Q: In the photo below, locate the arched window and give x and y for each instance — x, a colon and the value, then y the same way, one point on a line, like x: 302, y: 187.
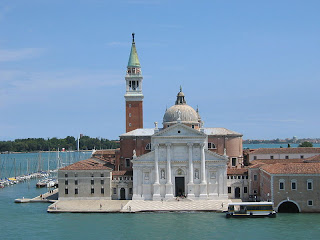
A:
x: 148, y: 146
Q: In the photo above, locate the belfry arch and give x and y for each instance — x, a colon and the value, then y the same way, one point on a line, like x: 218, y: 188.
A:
x: 288, y: 206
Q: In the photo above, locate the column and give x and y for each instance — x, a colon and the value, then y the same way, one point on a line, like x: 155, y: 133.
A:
x: 156, y: 185
x: 203, y: 184
x: 203, y: 165
x: 156, y: 164
x: 190, y: 184
x: 169, y: 186
x: 168, y: 163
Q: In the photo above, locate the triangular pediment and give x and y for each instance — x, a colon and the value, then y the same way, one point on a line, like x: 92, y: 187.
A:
x: 215, y: 156
x: 145, y: 157
x: 179, y: 130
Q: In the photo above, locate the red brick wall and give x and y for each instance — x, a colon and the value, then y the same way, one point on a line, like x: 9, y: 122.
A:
x: 136, y: 119
x: 127, y: 145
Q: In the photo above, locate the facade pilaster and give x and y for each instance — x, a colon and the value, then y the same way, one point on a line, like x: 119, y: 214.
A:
x: 169, y: 186
x: 156, y: 185
x: 203, y: 184
x: 190, y: 184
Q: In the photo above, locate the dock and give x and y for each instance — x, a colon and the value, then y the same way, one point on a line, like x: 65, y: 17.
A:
x: 137, y: 206
x: 49, y: 197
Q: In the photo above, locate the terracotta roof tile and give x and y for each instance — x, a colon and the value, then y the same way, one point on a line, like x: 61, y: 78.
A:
x: 273, y: 161
x: 88, y: 164
x: 315, y: 158
x: 292, y: 168
x: 297, y: 150
x: 237, y: 171
x: 121, y: 173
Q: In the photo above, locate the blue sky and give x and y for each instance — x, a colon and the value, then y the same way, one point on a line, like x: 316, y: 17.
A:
x: 250, y: 66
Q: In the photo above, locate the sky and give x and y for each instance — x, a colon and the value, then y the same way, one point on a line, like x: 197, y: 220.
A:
x: 250, y: 66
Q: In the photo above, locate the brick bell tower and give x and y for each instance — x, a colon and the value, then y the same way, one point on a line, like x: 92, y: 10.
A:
x: 134, y: 95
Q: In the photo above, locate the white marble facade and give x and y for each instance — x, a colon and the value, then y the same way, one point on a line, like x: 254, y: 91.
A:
x: 179, y: 164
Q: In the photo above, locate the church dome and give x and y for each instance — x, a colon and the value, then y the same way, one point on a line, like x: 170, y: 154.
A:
x: 180, y: 112
x: 187, y: 114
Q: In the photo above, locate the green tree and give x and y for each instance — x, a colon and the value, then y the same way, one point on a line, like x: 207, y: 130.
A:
x: 306, y: 144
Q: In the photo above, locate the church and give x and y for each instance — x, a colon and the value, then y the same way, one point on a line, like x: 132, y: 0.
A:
x: 180, y: 159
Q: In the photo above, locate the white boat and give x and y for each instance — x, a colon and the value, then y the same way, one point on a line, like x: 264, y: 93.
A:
x: 250, y: 209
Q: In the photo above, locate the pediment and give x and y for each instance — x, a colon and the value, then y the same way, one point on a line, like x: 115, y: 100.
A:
x: 215, y: 156
x: 145, y: 157
x: 179, y: 130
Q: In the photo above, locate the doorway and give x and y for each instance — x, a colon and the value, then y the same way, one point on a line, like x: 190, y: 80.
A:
x: 180, y: 190
x: 237, y: 192
x: 122, y: 194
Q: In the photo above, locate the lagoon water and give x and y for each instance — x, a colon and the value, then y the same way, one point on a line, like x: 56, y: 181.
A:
x: 31, y: 221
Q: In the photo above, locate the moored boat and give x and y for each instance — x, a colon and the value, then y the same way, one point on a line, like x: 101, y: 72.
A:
x: 250, y: 209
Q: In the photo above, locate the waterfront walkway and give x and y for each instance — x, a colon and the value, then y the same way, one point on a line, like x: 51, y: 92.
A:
x: 50, y: 197
x: 135, y: 206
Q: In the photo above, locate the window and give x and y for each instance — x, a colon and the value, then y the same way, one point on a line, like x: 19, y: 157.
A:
x: 287, y: 157
x: 114, y: 191
x: 293, y: 184
x: 92, y: 190
x: 254, y: 157
x: 127, y: 162
x: 211, y: 145
x: 192, y: 126
x: 234, y: 161
x: 66, y: 191
x: 301, y: 156
x: 255, y: 191
x: 148, y: 146
x: 66, y: 182
x: 239, y: 177
x: 179, y: 131
x: 310, y: 184
x: 245, y: 190
x: 76, y: 175
x: 242, y: 177
x: 255, y: 177
x: 130, y: 190
x: 129, y: 124
x: 102, y: 175
x: 129, y: 114
x: 76, y: 191
x: 120, y: 178
x: 246, y: 177
x: 310, y: 203
x: 229, y: 189
x: 168, y: 125
x: 271, y: 157
x: 102, y: 181
x: 66, y: 175
x: 129, y: 105
x: 281, y: 184
x: 76, y: 182
x: 228, y: 177
x: 92, y: 175
x: 92, y: 182
x: 102, y: 190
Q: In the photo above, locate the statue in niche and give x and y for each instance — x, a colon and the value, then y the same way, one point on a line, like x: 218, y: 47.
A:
x: 196, y: 174
x: 179, y: 115
x: 146, y: 176
x: 162, y: 174
x: 179, y: 171
x: 212, y: 175
x: 134, y: 153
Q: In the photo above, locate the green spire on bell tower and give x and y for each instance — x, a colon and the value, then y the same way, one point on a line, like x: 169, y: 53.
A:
x: 133, y: 59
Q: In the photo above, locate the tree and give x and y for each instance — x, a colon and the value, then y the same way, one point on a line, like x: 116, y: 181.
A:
x: 306, y: 144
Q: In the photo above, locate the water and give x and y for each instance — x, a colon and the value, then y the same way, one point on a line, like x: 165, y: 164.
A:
x: 31, y: 221
x: 273, y: 145
x: 17, y: 164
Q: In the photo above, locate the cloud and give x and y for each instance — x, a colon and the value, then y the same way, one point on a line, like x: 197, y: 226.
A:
x: 19, y: 54
x: 17, y: 85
